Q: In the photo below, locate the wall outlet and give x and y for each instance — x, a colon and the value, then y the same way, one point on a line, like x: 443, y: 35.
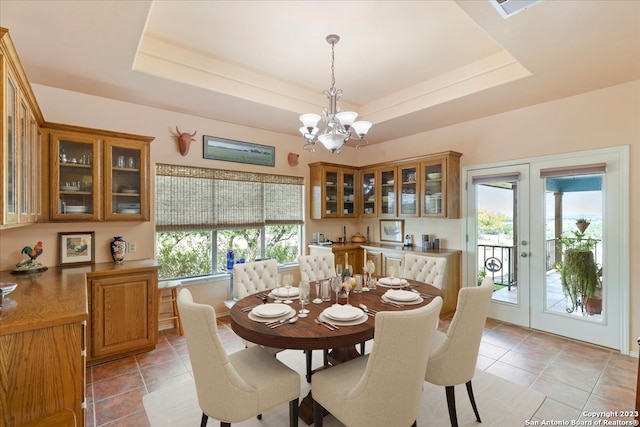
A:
x: 132, y: 247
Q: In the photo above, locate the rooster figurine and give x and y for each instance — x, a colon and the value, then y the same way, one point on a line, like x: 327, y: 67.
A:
x: 30, y: 264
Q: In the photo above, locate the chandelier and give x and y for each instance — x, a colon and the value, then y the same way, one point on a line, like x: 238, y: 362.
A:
x: 337, y: 126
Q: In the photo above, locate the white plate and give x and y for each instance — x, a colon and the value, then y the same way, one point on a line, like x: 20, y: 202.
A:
x: 7, y: 287
x: 284, y: 292
x: 129, y: 211
x: 342, y: 312
x: 271, y: 310
x: 396, y: 281
x: 401, y: 296
x: 76, y: 209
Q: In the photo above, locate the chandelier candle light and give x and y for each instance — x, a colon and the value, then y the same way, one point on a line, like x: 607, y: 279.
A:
x: 338, y: 126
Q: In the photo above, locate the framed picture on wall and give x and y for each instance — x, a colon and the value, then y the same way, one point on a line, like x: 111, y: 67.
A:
x: 76, y: 248
x: 392, y: 230
x: 228, y: 150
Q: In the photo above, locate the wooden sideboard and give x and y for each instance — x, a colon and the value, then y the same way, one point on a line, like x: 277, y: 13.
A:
x: 58, y: 320
x: 42, y: 346
x: 386, y: 256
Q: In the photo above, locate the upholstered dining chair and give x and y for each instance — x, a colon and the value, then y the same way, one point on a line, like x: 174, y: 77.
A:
x: 383, y: 388
x: 427, y: 269
x: 317, y: 267
x: 234, y: 387
x: 454, y: 354
x: 252, y: 277
x: 313, y: 268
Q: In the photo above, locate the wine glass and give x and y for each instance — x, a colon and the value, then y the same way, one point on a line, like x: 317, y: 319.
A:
x: 304, y: 289
x: 279, y: 281
x: 288, y: 281
x: 347, y: 285
x: 317, y: 299
x: 336, y: 285
x: 339, y: 270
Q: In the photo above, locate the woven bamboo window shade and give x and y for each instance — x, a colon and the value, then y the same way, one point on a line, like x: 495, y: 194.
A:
x: 194, y: 198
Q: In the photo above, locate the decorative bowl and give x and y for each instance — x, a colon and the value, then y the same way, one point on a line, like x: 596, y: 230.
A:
x: 357, y: 238
x: 434, y: 175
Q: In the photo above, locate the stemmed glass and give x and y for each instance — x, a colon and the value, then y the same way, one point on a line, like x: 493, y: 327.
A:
x: 336, y: 285
x: 304, y: 297
x: 347, y: 287
x: 279, y: 281
x: 369, y: 268
x: 288, y: 281
x: 339, y: 270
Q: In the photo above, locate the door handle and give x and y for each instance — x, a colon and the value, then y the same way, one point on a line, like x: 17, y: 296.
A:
x: 524, y: 254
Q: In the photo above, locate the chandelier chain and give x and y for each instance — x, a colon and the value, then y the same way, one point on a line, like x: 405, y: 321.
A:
x: 333, y: 75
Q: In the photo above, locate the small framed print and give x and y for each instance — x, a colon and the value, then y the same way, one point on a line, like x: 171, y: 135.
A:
x: 76, y: 248
x: 392, y: 230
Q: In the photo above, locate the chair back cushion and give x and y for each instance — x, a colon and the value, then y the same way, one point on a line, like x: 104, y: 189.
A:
x: 390, y: 390
x: 221, y: 391
x: 453, y: 359
x: 252, y: 277
x: 427, y: 269
x: 317, y: 267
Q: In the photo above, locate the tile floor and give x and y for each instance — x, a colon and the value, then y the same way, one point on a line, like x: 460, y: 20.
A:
x: 575, y: 377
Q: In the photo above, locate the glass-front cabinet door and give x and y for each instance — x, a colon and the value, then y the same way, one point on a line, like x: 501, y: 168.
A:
x: 434, y: 188
x: 369, y: 187
x: 388, y: 192
x: 408, y: 176
x: 75, y: 177
x: 331, y: 193
x: 11, y: 153
x: 125, y: 180
x: 348, y: 194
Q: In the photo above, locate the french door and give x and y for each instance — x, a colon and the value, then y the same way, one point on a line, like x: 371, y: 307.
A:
x: 517, y: 217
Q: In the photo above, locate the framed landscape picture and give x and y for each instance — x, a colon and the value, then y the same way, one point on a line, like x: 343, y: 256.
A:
x: 77, y: 248
x: 228, y: 150
x: 392, y: 230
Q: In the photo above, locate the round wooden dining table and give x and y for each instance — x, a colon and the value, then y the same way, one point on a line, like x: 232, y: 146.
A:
x: 305, y: 334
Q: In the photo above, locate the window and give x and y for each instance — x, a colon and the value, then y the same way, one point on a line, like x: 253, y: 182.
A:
x: 202, y: 213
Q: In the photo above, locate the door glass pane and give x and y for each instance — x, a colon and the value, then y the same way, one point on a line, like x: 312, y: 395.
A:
x: 497, y: 237
x: 574, y: 232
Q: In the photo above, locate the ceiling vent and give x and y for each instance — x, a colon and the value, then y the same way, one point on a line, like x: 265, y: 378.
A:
x: 509, y: 8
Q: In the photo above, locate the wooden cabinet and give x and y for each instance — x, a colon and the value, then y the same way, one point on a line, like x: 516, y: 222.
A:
x: 98, y: 175
x: 369, y: 200
x: 42, y: 347
x: 123, y: 310
x: 440, y: 185
x: 334, y: 191
x: 388, y: 192
x: 20, y: 142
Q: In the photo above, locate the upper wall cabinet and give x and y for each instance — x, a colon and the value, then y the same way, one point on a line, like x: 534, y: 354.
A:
x: 440, y: 185
x: 98, y: 175
x: 334, y: 191
x: 20, y: 169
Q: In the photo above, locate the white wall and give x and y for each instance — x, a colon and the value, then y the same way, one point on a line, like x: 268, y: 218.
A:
x: 604, y: 118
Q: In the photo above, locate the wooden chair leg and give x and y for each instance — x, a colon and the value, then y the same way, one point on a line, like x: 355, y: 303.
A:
x: 362, y: 348
x: 223, y: 424
x: 293, y: 413
x: 205, y: 418
x: 473, y: 401
x: 318, y: 414
x: 325, y: 357
x: 451, y: 404
x: 415, y: 424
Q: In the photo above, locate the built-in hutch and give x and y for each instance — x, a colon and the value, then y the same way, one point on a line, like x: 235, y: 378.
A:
x: 20, y: 142
x: 426, y: 186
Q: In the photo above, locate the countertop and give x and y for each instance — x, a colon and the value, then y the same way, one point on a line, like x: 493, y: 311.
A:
x: 399, y: 247
x: 53, y: 297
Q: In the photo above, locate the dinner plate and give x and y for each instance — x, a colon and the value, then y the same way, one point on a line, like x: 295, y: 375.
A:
x: 7, y: 287
x: 76, y: 209
x: 271, y: 310
x: 342, y: 312
x: 396, y: 281
x: 129, y: 211
x: 284, y: 292
x: 401, y: 296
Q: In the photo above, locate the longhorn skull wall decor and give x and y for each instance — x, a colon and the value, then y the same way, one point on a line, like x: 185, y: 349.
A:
x: 184, y: 140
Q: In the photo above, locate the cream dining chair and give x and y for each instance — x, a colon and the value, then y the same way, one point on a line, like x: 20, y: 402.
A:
x: 454, y: 354
x: 427, y: 269
x: 313, y: 268
x: 383, y: 388
x: 238, y: 386
x: 256, y: 276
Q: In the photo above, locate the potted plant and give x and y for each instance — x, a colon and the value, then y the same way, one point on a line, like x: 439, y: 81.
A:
x: 579, y: 272
x: 582, y: 224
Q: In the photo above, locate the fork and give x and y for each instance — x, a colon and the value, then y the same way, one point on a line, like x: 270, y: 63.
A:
x: 393, y: 304
x: 249, y: 308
